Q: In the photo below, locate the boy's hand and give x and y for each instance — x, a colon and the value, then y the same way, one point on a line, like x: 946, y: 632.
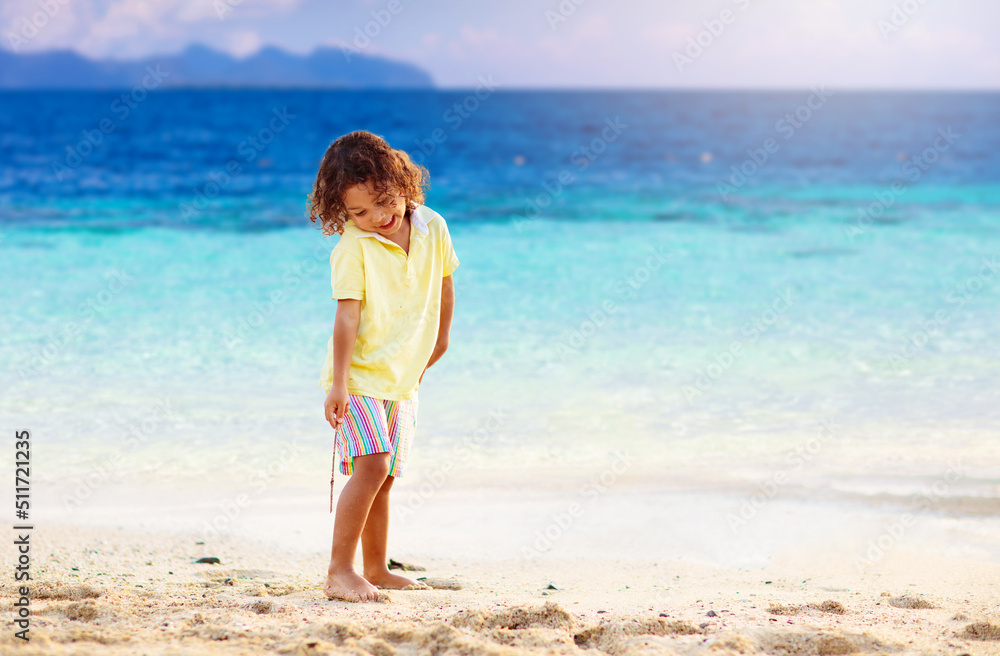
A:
x: 345, y: 332
x: 335, y: 406
x: 439, y: 348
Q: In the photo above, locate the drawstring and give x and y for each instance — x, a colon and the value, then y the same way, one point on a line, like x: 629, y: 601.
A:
x: 333, y: 468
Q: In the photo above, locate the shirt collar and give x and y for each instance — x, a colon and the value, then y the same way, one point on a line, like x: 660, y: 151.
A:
x: 415, y: 220
x: 418, y: 221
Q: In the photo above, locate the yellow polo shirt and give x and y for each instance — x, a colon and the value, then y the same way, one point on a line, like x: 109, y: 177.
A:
x: 400, y: 298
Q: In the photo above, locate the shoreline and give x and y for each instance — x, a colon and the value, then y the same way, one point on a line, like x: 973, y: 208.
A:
x: 725, y: 527
x: 134, y: 588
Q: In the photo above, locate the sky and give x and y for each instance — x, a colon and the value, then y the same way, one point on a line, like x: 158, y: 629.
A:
x: 768, y: 44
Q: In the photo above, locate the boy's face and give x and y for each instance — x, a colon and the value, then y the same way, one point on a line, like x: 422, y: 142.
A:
x: 367, y: 215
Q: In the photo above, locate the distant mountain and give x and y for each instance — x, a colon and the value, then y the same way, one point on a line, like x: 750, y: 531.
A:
x: 200, y: 66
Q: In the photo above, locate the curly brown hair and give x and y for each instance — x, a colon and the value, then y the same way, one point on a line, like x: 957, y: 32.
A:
x: 356, y: 158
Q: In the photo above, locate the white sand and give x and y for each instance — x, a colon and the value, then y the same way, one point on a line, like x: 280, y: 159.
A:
x: 112, y: 591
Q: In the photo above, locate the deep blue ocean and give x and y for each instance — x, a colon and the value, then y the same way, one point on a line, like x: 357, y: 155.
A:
x: 702, y: 278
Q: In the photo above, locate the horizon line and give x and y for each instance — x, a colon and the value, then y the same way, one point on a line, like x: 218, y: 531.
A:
x: 515, y: 89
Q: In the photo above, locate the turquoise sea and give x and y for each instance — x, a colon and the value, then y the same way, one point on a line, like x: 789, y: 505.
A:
x: 784, y: 294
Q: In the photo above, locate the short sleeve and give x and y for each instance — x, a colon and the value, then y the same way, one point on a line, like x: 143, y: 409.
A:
x: 449, y: 257
x: 347, y: 274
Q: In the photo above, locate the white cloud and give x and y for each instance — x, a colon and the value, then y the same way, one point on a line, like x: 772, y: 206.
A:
x: 668, y: 35
x: 431, y: 40
x: 131, y: 28
x: 44, y: 31
x: 241, y: 43
x: 577, y: 40
x: 479, y: 38
x: 769, y: 44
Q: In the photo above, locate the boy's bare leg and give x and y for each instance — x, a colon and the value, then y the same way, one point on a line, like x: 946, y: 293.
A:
x: 375, y: 541
x: 353, y: 510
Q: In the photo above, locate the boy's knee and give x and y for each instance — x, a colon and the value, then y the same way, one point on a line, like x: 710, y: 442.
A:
x: 374, y: 466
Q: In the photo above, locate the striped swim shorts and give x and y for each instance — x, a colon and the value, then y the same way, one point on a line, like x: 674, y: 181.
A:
x: 377, y: 426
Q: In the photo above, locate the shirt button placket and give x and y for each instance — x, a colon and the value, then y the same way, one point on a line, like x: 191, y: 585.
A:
x: 408, y: 278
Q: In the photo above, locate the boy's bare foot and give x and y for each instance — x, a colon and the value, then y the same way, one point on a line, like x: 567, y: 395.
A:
x: 387, y: 580
x: 349, y: 586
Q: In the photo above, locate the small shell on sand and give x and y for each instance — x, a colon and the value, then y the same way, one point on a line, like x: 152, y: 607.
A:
x: 440, y: 583
x: 909, y: 601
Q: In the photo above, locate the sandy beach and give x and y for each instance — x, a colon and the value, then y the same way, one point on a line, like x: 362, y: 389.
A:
x: 124, y: 591
x: 713, y: 385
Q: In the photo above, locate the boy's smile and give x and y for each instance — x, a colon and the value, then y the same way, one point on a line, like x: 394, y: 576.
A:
x: 368, y: 215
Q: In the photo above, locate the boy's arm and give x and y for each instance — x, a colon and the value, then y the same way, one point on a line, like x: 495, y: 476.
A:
x: 444, y: 328
x: 345, y: 333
